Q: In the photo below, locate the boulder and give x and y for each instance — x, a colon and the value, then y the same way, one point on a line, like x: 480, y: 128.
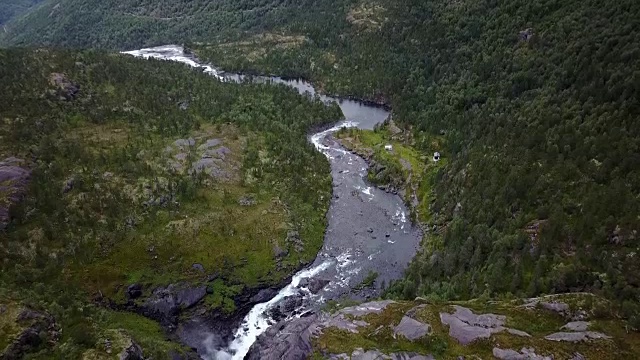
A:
x: 285, y: 340
x: 264, y: 295
x: 184, y: 143
x: 373, y: 307
x: 165, y: 304
x: 134, y: 291
x: 411, y: 329
x: 210, y: 144
x: 279, y: 252
x: 524, y: 354
x: 66, y: 89
x: 576, y: 326
x: 190, y: 296
x: 576, y: 336
x: 466, y: 327
x: 314, y: 285
x: 38, y: 326
x: 286, y: 307
x: 198, y: 267
x: 68, y: 185
x: 410, y: 356
x: 247, y: 200
x: 132, y: 352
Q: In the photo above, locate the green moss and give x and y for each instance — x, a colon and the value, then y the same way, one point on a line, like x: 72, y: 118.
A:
x: 537, y: 322
x: 408, y: 167
x: 147, y: 333
x: 9, y: 328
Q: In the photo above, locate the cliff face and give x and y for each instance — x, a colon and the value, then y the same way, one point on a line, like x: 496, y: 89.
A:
x: 569, y: 326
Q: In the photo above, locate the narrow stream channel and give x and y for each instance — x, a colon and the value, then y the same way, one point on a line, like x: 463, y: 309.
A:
x: 368, y: 228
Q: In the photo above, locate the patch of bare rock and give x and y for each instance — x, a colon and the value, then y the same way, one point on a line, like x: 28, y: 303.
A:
x: 467, y: 327
x: 14, y: 178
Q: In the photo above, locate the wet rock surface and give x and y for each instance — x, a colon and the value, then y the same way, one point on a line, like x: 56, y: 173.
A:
x: 285, y: 340
x: 314, y: 285
x: 64, y: 87
x: 165, y: 303
x: 576, y: 326
x: 292, y: 339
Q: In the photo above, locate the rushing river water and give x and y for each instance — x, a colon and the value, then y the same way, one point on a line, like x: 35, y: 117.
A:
x: 368, y: 229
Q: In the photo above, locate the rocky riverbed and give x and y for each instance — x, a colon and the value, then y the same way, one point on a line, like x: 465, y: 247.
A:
x: 368, y: 242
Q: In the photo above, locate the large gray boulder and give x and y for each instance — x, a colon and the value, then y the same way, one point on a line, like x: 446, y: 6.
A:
x: 524, y: 354
x: 132, y: 352
x: 576, y: 326
x: 467, y: 327
x: 577, y: 336
x: 411, y: 329
x: 285, y: 340
x: 314, y: 285
x: 166, y: 303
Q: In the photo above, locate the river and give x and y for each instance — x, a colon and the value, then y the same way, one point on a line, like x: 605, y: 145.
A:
x: 368, y: 228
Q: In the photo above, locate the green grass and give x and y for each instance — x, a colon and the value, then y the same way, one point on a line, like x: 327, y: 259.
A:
x: 212, y: 230
x: 539, y: 323
x: 417, y: 169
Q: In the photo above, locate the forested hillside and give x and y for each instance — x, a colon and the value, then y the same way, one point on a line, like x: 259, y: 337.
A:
x: 10, y: 9
x: 117, y: 24
x: 121, y: 176
x: 538, y: 104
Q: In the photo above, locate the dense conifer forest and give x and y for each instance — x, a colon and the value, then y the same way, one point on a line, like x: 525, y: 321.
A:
x: 534, y: 105
x: 147, y: 172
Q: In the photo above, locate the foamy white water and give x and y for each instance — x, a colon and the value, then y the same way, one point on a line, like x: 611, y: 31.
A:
x: 174, y: 53
x: 257, y: 322
x: 350, y: 245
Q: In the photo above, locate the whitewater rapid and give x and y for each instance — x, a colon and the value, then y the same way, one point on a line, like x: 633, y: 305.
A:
x: 367, y: 230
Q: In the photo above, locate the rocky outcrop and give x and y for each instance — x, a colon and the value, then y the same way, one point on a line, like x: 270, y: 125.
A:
x: 577, y: 336
x: 314, y: 285
x: 360, y: 354
x: 285, y: 340
x: 39, y: 328
x: 14, y: 178
x: 411, y: 329
x: 287, y: 307
x: 467, y: 327
x: 292, y: 339
x: 165, y: 303
x: 64, y: 88
x: 132, y: 352
x: 524, y: 354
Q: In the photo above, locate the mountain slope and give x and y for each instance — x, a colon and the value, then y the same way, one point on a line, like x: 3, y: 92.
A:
x: 136, y: 187
x: 534, y: 108
x: 117, y: 24
x: 10, y: 9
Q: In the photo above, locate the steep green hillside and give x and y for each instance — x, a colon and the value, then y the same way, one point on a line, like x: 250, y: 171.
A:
x: 533, y: 104
x: 118, y: 171
x: 121, y: 24
x: 537, y: 104
x: 10, y: 9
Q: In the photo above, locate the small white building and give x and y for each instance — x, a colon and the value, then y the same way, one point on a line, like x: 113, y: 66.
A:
x: 436, y: 156
x: 388, y: 147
